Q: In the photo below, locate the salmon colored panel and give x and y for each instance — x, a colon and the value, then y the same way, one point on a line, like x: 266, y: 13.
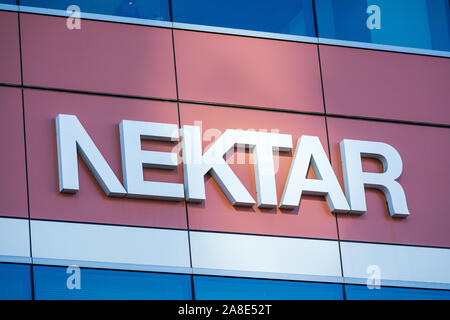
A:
x: 311, y: 219
x: 425, y: 178
x: 248, y: 71
x: 386, y: 85
x: 10, y: 50
x: 100, y: 57
x: 13, y: 182
x: 101, y: 117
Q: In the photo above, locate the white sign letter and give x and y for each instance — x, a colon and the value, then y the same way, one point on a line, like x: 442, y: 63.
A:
x: 309, y: 151
x: 355, y: 179
x: 263, y: 144
x: 72, y: 137
x: 134, y: 159
x: 196, y: 165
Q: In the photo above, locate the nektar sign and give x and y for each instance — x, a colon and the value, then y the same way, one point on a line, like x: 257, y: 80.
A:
x: 72, y: 139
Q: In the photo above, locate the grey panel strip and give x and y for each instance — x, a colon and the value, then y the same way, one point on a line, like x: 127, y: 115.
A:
x: 241, y: 32
x: 399, y: 283
x: 111, y: 265
x: 15, y: 259
x: 267, y: 275
x: 219, y: 272
x: 9, y: 7
x: 383, y: 47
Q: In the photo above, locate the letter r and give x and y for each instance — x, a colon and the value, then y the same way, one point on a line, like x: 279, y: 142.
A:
x: 356, y: 180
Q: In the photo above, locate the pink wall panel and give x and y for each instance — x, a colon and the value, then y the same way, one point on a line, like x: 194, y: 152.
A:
x: 247, y: 71
x: 101, y: 57
x: 426, y: 180
x: 10, y: 50
x: 101, y: 117
x: 13, y: 183
x: 313, y: 219
x: 386, y: 85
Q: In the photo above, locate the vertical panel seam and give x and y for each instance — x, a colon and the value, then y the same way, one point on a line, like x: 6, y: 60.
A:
x: 26, y: 157
x: 329, y: 154
x: 179, y: 126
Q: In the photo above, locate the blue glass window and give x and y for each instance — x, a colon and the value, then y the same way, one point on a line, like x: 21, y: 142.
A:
x: 293, y: 17
x: 56, y: 283
x: 222, y: 288
x: 15, y: 281
x: 358, y: 292
x: 8, y: 2
x: 144, y: 9
x: 423, y: 24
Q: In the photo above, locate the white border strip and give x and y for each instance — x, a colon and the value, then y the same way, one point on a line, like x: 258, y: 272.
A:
x: 117, y: 246
x: 411, y: 266
x: 257, y: 255
x: 230, y: 31
x: 14, y: 238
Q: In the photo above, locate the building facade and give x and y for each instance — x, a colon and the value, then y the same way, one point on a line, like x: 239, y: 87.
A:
x: 373, y: 71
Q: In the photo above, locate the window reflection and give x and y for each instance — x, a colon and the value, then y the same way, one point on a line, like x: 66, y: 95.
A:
x: 284, y: 16
x: 224, y: 288
x: 143, y: 9
x: 358, y: 292
x: 407, y: 23
x: 15, y: 281
x: 83, y: 283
